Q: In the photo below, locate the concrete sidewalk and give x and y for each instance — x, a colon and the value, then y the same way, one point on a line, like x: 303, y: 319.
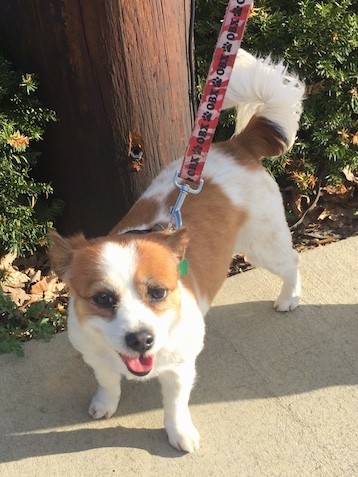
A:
x: 277, y: 394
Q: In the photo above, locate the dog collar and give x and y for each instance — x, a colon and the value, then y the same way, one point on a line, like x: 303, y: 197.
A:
x: 156, y: 228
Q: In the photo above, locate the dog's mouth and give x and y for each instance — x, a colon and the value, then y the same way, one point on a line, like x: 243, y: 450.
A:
x: 139, y: 366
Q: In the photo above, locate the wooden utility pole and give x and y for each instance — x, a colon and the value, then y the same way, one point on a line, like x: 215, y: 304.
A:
x: 116, y: 73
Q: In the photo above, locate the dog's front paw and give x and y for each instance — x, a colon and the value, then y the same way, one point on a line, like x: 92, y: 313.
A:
x: 103, y: 404
x: 185, y: 438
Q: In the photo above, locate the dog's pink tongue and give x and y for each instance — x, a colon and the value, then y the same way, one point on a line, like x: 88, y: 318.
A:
x: 140, y: 366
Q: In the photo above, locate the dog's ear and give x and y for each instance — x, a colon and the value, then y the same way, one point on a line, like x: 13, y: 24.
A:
x: 178, y: 242
x: 61, y: 252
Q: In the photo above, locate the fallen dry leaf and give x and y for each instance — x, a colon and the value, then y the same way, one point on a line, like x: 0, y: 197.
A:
x: 349, y: 175
x: 39, y: 287
x: 35, y: 275
x: 323, y: 215
x: 15, y: 279
x: 7, y: 260
x: 18, y: 295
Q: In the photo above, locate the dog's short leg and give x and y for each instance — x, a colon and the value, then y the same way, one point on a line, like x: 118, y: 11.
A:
x: 282, y: 261
x: 291, y: 289
x: 105, y: 401
x: 176, y: 387
x: 266, y: 241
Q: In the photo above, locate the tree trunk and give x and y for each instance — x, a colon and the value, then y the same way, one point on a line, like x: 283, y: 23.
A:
x: 116, y: 73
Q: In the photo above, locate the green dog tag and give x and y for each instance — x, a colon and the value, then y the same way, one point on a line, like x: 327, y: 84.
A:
x: 183, y: 267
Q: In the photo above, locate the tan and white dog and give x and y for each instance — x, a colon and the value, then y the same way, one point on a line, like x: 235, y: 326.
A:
x: 131, y: 313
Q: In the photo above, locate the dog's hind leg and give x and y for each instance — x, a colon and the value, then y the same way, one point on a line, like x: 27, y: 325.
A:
x: 176, y: 388
x: 279, y: 258
x: 289, y: 296
x: 266, y: 242
x: 291, y: 289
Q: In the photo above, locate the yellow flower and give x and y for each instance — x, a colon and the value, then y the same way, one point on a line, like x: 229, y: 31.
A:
x: 355, y: 138
x: 344, y: 135
x: 60, y: 307
x: 254, y: 11
x: 18, y: 141
x: 304, y: 180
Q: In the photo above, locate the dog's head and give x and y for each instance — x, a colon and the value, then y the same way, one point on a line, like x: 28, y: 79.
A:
x: 125, y: 287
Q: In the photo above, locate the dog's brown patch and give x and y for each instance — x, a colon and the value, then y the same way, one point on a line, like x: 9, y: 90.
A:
x: 212, y: 222
x: 157, y: 267
x: 85, y: 308
x: 61, y: 252
x: 261, y: 138
x: 87, y: 278
x: 77, y: 261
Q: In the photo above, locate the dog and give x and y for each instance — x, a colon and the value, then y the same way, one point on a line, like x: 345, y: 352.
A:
x: 131, y: 312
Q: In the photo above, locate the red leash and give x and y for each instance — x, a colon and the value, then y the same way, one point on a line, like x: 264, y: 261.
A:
x: 208, y: 114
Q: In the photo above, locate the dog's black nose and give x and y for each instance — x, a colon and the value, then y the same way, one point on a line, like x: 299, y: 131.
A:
x: 140, y: 341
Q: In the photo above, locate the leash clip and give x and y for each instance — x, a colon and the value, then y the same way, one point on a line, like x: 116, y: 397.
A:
x: 176, y: 221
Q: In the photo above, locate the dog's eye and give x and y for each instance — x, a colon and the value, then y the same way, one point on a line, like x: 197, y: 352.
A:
x: 157, y: 293
x: 104, y: 299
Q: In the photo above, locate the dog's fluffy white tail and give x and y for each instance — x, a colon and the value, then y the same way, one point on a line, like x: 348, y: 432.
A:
x: 261, y: 88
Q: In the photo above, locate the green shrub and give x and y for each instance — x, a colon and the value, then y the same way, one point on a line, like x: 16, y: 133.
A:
x: 25, y: 209
x: 318, y: 40
x: 40, y: 320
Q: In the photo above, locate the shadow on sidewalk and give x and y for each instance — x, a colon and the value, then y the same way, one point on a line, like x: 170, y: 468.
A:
x: 251, y: 352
